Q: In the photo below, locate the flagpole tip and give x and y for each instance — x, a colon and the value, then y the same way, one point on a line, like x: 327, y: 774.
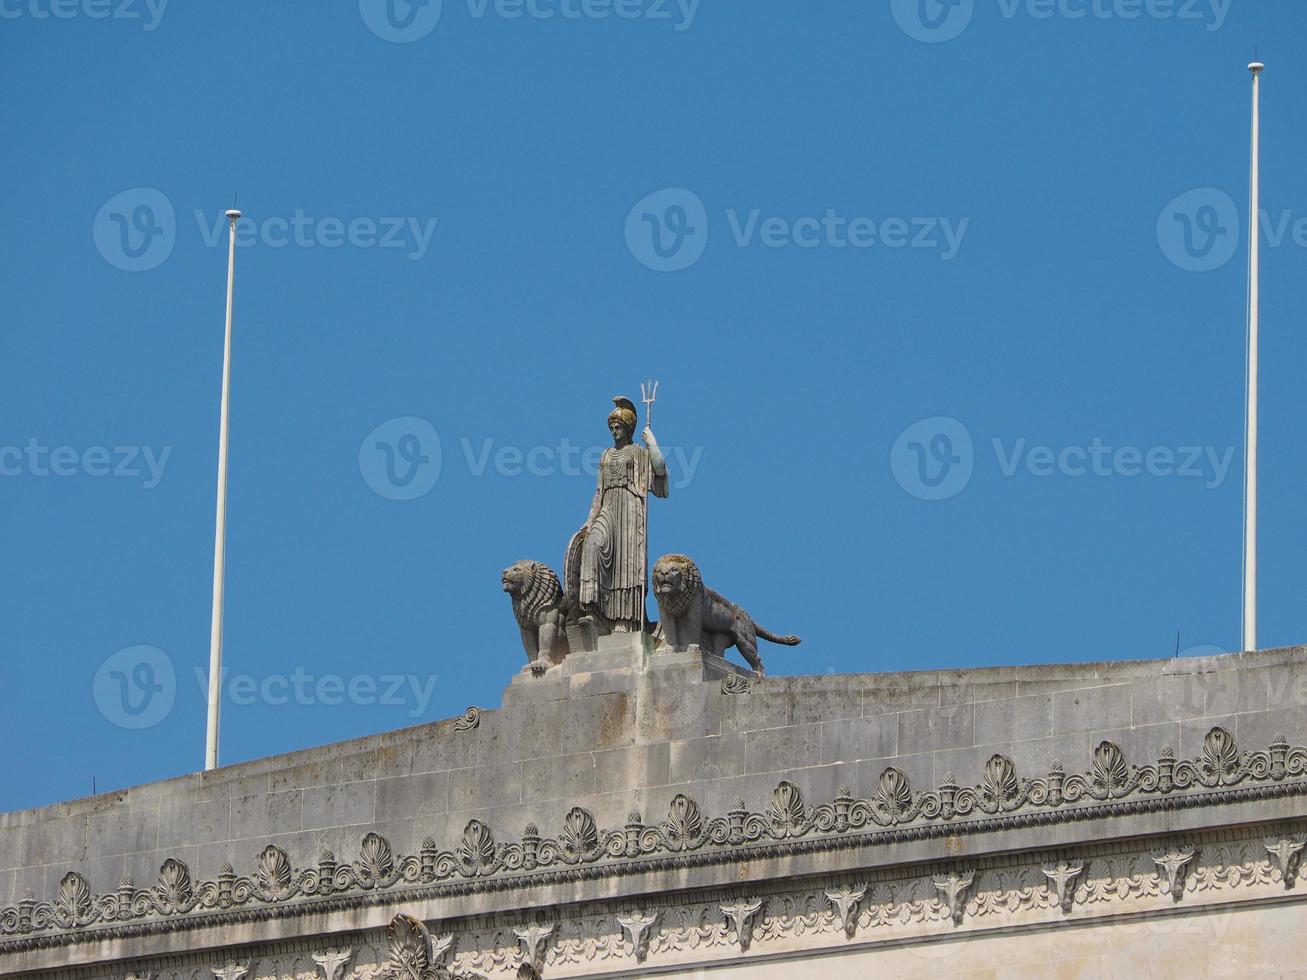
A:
x: 1256, y: 67
x: 233, y: 214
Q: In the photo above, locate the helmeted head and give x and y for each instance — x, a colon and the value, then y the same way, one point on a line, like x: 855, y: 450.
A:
x: 622, y: 419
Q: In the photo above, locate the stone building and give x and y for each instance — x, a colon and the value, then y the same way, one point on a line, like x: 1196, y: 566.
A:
x: 632, y: 813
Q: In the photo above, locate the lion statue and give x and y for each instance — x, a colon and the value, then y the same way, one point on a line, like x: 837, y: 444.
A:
x: 540, y: 609
x: 693, y: 614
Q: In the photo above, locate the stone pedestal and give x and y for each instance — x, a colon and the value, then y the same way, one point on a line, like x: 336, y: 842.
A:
x: 623, y: 662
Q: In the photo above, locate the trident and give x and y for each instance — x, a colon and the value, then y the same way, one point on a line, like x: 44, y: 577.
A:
x: 648, y: 395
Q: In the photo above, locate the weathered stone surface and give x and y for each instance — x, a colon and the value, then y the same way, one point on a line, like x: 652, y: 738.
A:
x: 837, y: 775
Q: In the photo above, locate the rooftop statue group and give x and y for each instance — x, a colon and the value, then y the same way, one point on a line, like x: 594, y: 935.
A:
x: 605, y: 571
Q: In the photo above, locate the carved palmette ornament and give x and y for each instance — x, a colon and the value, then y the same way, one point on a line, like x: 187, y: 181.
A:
x: 894, y: 793
x: 580, y: 833
x: 409, y: 947
x: 376, y: 860
x: 476, y: 851
x: 274, y: 873
x: 1109, y: 771
x: 893, y: 813
x: 74, y: 897
x: 1001, y: 778
x: 684, y: 824
x: 174, y: 887
x: 787, y: 813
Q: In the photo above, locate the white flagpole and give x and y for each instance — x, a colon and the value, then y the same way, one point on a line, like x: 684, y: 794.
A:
x: 220, y: 529
x: 1250, y: 436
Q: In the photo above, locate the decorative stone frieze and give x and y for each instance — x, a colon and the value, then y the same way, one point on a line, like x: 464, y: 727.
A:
x: 896, y: 812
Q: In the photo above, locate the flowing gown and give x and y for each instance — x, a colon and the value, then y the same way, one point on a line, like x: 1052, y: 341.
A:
x: 613, y: 556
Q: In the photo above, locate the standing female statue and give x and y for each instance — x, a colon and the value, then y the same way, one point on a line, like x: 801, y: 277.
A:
x: 607, y: 558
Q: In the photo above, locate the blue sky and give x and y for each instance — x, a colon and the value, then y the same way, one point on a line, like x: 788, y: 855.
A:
x: 946, y: 304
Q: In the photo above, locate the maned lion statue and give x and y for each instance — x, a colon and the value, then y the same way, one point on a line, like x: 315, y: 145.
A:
x: 693, y: 614
x: 540, y: 609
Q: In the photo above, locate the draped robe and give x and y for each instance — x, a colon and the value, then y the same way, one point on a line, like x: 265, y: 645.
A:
x: 614, y: 552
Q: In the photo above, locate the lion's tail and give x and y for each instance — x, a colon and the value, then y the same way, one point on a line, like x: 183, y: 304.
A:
x: 790, y: 640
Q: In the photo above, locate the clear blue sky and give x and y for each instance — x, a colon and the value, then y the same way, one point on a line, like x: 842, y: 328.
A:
x: 867, y: 226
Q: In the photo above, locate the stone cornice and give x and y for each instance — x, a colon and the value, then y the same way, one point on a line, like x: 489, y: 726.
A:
x: 686, y: 838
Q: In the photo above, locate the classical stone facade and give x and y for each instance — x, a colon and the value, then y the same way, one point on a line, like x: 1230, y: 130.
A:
x: 635, y: 812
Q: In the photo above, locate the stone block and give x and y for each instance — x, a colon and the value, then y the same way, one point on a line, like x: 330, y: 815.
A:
x: 1015, y: 719
x: 182, y: 823
x: 783, y: 749
x: 322, y: 772
x: 567, y: 777
x: 1091, y: 709
x: 767, y: 705
x: 119, y: 832
x: 342, y: 805
x: 632, y: 767
x: 698, y: 759
x: 266, y: 814
x: 932, y: 729
x: 382, y: 762
x: 834, y: 703
x: 854, y: 739
x: 1256, y: 729
x: 410, y: 796
x: 483, y: 786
